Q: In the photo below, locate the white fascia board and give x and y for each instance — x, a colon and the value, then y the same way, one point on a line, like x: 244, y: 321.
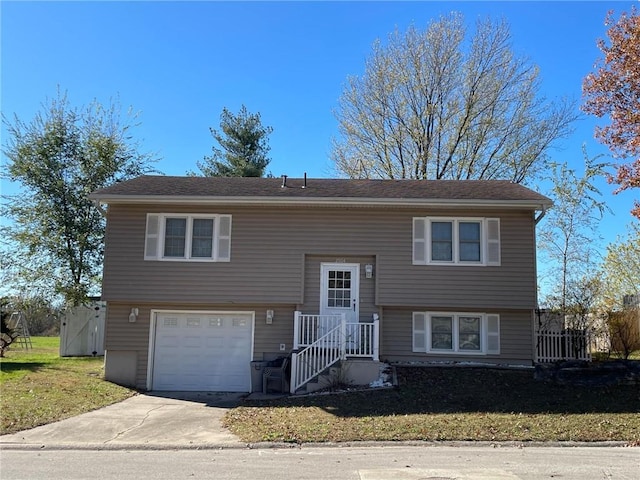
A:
x: 318, y: 201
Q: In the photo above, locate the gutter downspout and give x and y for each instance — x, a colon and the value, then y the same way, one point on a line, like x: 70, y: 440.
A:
x: 534, y: 336
x: 541, y: 216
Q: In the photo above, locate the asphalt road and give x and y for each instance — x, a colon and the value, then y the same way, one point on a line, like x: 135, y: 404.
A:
x: 358, y: 463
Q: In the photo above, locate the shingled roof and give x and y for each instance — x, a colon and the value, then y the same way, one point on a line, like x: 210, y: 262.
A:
x: 168, y: 189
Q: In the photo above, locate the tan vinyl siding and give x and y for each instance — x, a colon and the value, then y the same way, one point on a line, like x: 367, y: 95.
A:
x: 510, y: 285
x: 515, y: 339
x: 120, y: 335
x: 276, y: 254
x: 267, y: 338
x: 269, y: 246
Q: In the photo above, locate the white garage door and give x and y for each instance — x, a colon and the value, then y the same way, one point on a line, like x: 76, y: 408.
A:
x: 202, y: 352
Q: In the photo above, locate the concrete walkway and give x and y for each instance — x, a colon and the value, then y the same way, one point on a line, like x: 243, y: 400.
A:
x: 153, y: 420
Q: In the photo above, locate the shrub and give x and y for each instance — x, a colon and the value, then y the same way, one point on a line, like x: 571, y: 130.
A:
x: 624, y: 329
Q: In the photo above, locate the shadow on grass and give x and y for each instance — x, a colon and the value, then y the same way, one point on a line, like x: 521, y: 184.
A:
x: 466, y: 390
x: 12, y: 367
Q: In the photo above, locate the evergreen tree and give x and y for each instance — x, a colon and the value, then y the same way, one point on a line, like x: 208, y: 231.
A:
x: 244, y: 147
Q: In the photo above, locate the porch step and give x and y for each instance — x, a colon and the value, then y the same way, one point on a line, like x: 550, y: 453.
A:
x: 327, y: 379
x: 322, y: 381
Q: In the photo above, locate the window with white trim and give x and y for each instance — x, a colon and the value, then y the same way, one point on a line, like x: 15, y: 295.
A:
x: 459, y: 333
x: 456, y: 241
x: 199, y: 238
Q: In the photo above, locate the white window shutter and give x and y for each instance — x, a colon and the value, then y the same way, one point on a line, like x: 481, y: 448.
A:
x: 419, y: 332
x: 152, y: 237
x: 493, y: 334
x: 224, y: 238
x: 493, y: 241
x: 419, y: 241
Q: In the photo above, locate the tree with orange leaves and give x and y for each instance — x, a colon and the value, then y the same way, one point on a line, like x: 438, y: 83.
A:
x: 614, y: 89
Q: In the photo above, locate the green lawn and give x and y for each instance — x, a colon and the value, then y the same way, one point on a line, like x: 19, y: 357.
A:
x: 449, y: 404
x: 38, y: 386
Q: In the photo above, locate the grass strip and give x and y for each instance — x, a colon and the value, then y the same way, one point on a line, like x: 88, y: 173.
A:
x: 453, y: 404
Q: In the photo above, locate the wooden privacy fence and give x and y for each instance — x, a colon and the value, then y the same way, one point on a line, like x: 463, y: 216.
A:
x: 552, y: 346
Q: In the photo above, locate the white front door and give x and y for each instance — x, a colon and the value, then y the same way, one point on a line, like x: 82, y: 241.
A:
x: 340, y: 290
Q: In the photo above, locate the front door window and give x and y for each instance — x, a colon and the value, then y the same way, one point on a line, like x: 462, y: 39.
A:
x: 339, y: 288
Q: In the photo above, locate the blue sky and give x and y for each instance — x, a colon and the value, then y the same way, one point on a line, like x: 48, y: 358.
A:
x: 180, y: 63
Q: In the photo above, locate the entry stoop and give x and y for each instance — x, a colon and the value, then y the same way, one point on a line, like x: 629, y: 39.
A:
x: 362, y: 371
x: 350, y: 372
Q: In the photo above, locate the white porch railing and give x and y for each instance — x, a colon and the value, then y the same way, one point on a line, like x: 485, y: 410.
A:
x: 361, y: 340
x: 325, y: 339
x: 319, y: 353
x: 309, y: 328
x: 566, y: 345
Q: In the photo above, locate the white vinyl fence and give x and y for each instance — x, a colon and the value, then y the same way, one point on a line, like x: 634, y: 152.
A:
x: 82, y: 330
x: 552, y: 346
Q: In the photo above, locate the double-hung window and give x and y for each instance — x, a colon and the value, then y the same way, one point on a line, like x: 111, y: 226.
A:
x: 460, y: 333
x: 188, y: 237
x: 456, y: 241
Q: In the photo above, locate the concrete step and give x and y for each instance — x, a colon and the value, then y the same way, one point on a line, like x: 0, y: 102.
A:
x: 322, y: 381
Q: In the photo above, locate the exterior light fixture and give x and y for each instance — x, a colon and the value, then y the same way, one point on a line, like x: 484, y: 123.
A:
x: 368, y: 270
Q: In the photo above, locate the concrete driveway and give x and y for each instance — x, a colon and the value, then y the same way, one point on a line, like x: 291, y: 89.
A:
x: 153, y: 420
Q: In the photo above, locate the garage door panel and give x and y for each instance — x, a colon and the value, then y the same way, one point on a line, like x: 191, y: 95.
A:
x: 190, y: 363
x: 192, y: 341
x: 189, y: 382
x: 168, y: 341
x: 193, y: 322
x: 170, y: 322
x: 214, y: 342
x: 237, y: 385
x: 236, y: 347
x: 165, y: 362
x: 207, y: 352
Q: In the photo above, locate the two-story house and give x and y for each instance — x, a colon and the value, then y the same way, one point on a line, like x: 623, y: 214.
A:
x: 204, y: 275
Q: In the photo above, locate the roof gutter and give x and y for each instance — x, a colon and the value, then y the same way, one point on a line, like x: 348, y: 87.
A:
x: 319, y: 201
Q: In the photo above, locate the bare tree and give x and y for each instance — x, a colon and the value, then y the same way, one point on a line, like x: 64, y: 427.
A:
x: 430, y: 106
x: 583, y: 303
x: 568, y: 236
